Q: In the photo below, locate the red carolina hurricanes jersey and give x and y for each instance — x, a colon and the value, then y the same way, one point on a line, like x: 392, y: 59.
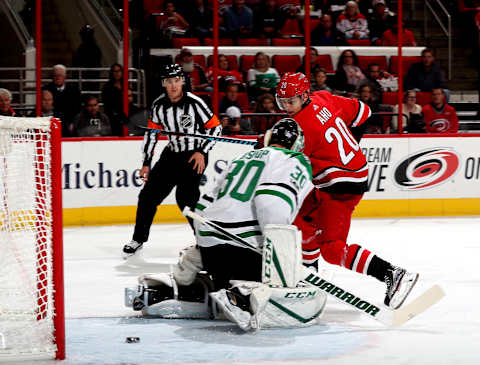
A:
x: 444, y: 120
x: 337, y: 161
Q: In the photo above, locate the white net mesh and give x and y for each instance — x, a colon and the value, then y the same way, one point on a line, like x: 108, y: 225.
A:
x: 26, y: 284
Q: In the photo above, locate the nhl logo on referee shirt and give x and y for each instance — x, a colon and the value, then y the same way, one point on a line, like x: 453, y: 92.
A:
x: 186, y: 120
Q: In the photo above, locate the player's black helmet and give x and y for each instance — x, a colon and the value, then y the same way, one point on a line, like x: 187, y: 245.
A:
x: 286, y: 132
x: 171, y: 71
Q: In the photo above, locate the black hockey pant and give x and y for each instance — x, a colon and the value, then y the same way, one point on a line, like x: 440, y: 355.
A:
x: 171, y: 170
x: 228, y: 262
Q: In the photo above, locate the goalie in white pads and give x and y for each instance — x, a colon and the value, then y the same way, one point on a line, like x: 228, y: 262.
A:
x: 257, y: 198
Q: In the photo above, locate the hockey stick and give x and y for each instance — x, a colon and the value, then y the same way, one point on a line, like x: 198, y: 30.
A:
x: 202, y: 136
x: 384, y: 315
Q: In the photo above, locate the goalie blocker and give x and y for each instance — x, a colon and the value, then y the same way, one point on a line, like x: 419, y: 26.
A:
x: 278, y: 301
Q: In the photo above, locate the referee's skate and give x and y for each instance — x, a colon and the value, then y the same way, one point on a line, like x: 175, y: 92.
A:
x: 131, y: 249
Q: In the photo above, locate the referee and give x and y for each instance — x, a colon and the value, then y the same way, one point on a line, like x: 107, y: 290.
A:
x: 182, y: 161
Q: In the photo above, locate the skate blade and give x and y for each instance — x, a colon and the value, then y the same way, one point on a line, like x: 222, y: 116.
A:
x: 408, y: 292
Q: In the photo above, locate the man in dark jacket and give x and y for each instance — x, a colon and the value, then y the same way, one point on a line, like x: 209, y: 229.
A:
x: 66, y: 97
x: 425, y: 75
x: 326, y: 33
x: 91, y: 122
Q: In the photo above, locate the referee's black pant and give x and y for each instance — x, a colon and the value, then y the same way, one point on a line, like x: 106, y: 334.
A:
x: 171, y: 170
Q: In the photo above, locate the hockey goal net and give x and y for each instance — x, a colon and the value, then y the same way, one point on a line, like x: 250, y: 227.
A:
x: 31, y: 256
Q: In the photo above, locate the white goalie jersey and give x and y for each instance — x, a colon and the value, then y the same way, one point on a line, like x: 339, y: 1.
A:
x: 265, y: 186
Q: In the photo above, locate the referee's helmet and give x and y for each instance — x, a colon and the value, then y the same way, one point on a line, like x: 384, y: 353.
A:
x: 287, y: 133
x: 172, y: 71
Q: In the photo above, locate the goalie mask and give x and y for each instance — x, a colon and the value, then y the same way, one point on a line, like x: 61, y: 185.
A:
x: 287, y: 133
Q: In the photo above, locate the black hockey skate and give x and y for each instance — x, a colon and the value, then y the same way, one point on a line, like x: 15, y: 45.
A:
x: 131, y: 248
x: 399, y: 284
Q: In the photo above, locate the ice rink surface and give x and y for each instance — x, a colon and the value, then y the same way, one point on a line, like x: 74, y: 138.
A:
x: 445, y: 251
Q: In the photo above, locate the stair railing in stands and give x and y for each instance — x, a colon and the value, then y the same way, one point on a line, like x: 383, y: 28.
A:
x: 447, y: 29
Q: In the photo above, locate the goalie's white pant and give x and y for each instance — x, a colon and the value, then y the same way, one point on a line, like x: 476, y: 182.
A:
x: 274, y: 307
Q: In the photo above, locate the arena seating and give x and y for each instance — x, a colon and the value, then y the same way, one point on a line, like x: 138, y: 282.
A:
x: 221, y: 42
x: 406, y: 62
x: 359, y: 42
x: 286, y: 42
x: 246, y: 62
x: 185, y: 42
x: 364, y: 61
x: 256, y: 42
x: 286, y: 63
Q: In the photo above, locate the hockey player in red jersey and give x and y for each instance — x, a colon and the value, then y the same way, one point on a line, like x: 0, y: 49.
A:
x: 333, y: 125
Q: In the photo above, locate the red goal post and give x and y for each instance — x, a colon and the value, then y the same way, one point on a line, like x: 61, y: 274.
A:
x: 32, y: 319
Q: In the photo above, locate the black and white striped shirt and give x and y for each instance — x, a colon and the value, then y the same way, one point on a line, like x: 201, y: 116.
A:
x: 188, y: 115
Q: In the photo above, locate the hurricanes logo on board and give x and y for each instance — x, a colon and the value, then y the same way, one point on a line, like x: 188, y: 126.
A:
x: 426, y: 169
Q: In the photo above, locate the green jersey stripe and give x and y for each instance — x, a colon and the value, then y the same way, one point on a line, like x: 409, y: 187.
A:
x: 225, y: 238
x: 278, y: 194
x: 200, y: 206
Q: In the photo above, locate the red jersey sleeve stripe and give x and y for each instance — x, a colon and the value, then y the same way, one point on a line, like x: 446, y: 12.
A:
x: 363, y: 114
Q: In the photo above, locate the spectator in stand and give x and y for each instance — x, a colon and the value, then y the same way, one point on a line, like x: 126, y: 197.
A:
x: 379, y: 21
x: 439, y: 117
x: 48, y: 109
x: 112, y: 96
x: 261, y: 77
x: 230, y: 98
x: 313, y: 63
x: 172, y: 23
x: 375, y: 124
x: 424, y: 75
x: 326, y: 34
x: 373, y: 75
x: 137, y: 117
x: 266, y: 104
x: 238, y: 20
x: 351, y: 23
x: 91, y: 122
x: 348, y: 75
x: 195, y: 78
x: 291, y: 23
x: 5, y: 108
x: 66, y: 97
x: 225, y: 74
x: 233, y: 123
x: 88, y: 53
x: 413, y: 112
x: 200, y: 17
x: 320, y: 81
x: 267, y: 20
x: 390, y: 36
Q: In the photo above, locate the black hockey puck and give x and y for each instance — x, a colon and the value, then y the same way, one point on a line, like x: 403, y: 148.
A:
x: 132, y: 339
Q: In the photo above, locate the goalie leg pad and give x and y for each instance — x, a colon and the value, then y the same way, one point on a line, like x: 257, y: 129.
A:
x: 286, y: 307
x: 159, y: 295
x: 282, y: 255
x: 281, y: 307
x: 189, y: 264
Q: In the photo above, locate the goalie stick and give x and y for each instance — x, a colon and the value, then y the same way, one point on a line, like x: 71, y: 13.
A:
x: 201, y: 136
x: 388, y: 317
